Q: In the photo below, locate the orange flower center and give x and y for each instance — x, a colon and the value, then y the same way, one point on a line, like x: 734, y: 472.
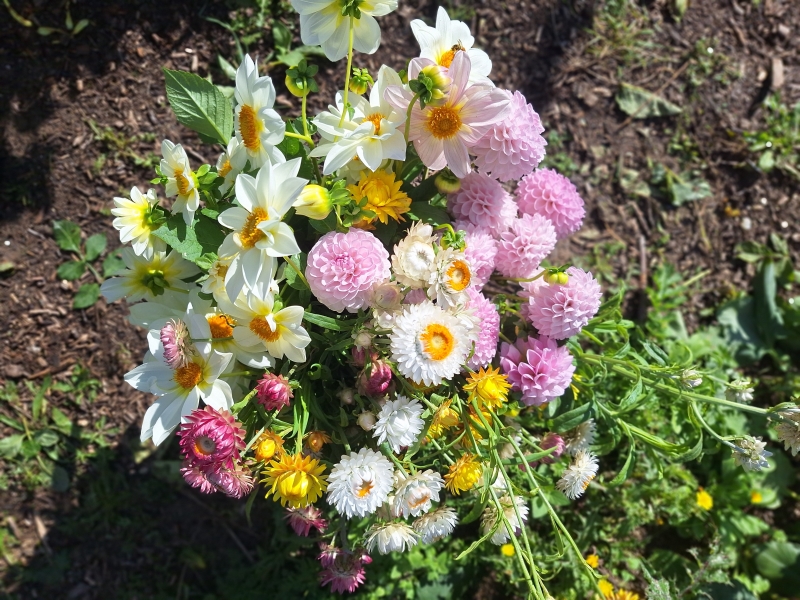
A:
x: 220, y: 326
x: 364, y: 489
x: 263, y: 330
x: 375, y: 119
x: 443, y: 122
x: 437, y: 341
x: 250, y: 127
x: 458, y: 275
x: 250, y: 233
x: 189, y: 376
x: 420, y: 501
x: 204, y: 445
x: 446, y: 59
x: 182, y: 182
x: 225, y: 169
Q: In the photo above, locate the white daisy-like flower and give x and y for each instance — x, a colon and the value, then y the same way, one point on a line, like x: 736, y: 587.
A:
x: 789, y: 433
x: 135, y: 222
x: 441, y: 43
x: 230, y: 163
x: 399, y: 423
x: 436, y: 524
x: 414, y: 494
x: 214, y: 284
x: 360, y: 483
x: 258, y: 126
x: 181, y: 181
x: 414, y: 259
x: 740, y: 391
x: 577, y: 476
x: 580, y: 438
x: 453, y: 275
x: 491, y: 515
x: 145, y: 278
x: 391, y: 537
x: 374, y: 134
x: 259, y: 235
x: 750, y: 453
x: 323, y: 24
x: 429, y: 344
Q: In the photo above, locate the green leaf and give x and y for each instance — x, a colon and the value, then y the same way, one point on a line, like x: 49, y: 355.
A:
x: 780, y: 562
x: 45, y: 437
x: 38, y: 404
x: 203, y: 238
x: 68, y: 236
x: 226, y: 67
x: 113, y: 264
x: 687, y: 189
x: 71, y: 270
x: 82, y: 24
x: 282, y: 36
x: 571, y: 419
x: 290, y: 275
x: 59, y: 479
x: 325, y: 322
x: 200, y: 105
x: 626, y: 468
x: 429, y: 214
x: 10, y: 446
x: 61, y: 421
x: 87, y: 295
x: 641, y: 104
x: 769, y: 319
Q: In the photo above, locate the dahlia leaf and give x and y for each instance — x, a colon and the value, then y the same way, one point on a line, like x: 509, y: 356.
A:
x: 200, y: 105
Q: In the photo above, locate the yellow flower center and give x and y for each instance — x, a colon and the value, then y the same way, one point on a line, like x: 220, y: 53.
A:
x: 756, y: 497
x: 220, y: 326
x: 250, y: 233
x: 189, y: 376
x: 221, y: 270
x: 262, y: 329
x: 250, y: 127
x: 364, y: 489
x: 458, y: 275
x: 204, y: 445
x: 182, y: 182
x: 294, y: 486
x: 225, y: 169
x: 437, y: 341
x: 443, y: 122
x: 375, y: 119
x: 446, y: 59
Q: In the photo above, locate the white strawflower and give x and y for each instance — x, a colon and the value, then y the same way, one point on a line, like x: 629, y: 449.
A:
x: 414, y: 494
x: 452, y: 276
x: 691, y: 378
x: 437, y: 524
x: 580, y: 438
x: 360, y: 483
x: 491, y: 516
x: 789, y: 433
x: 428, y: 344
x: 399, y: 423
x: 577, y: 476
x: 750, y: 453
x: 136, y: 223
x: 414, y: 259
x: 366, y: 420
x: 740, y: 391
x: 391, y: 537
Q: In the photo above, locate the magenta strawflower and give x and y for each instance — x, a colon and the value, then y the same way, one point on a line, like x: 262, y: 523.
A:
x: 274, y: 391
x: 538, y: 368
x: 486, y: 314
x: 481, y: 251
x: 482, y: 201
x: 211, y: 438
x: 235, y: 483
x: 375, y: 379
x: 561, y: 311
x: 522, y: 248
x: 343, y: 268
x: 513, y: 147
x: 303, y: 519
x: 343, y: 569
x: 552, y: 440
x: 550, y: 194
x: 197, y: 478
x: 177, y: 346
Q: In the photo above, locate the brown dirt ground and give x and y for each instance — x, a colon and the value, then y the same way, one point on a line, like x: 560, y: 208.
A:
x: 559, y: 53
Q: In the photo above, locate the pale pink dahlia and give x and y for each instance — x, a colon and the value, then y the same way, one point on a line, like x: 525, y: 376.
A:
x: 513, y: 147
x: 528, y: 290
x: 303, y: 519
x: 375, y: 380
x: 486, y: 314
x: 538, y: 368
x: 522, y: 248
x: 211, y: 437
x: 561, y: 311
x: 480, y: 252
x: 274, y: 391
x: 343, y: 267
x: 482, y: 201
x: 550, y: 194
x: 343, y: 569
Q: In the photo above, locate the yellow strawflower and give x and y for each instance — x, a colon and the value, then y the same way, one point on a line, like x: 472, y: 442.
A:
x: 507, y: 550
x: 268, y: 445
x: 464, y: 474
x: 704, y: 499
x: 489, y: 387
x: 383, y: 195
x: 317, y: 439
x: 444, y: 418
x: 296, y: 480
x: 624, y: 595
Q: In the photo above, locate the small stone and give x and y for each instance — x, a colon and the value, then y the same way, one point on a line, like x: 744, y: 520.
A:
x: 776, y: 74
x: 14, y: 371
x: 747, y: 223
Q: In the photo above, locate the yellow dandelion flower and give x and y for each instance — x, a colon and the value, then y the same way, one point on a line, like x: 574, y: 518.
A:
x: 756, y: 497
x: 489, y: 387
x: 269, y: 444
x: 606, y: 587
x: 444, y: 418
x: 383, y: 195
x: 507, y: 550
x: 704, y: 499
x: 317, y: 439
x: 593, y: 561
x: 296, y: 480
x: 464, y: 474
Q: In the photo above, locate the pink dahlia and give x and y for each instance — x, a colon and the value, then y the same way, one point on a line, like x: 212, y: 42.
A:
x: 550, y: 194
x: 482, y: 201
x: 211, y: 437
x: 480, y: 252
x: 486, y: 314
x: 343, y: 267
x: 513, y: 147
x: 343, y: 569
x: 561, y: 311
x: 274, y: 391
x: 303, y: 519
x: 522, y: 248
x: 528, y: 290
x: 375, y: 379
x: 538, y: 368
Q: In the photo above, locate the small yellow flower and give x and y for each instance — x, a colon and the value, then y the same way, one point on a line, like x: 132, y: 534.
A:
x: 593, y: 561
x: 444, y: 418
x: 314, y: 202
x: 464, y: 474
x: 624, y: 595
x: 489, y: 387
x: 756, y: 497
x: 383, y: 195
x: 317, y: 439
x: 296, y: 480
x: 507, y: 550
x: 268, y: 445
x: 704, y: 499
x: 606, y: 587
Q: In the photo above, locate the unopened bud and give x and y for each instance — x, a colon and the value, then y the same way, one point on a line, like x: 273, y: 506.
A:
x: 346, y: 396
x: 294, y: 89
x: 314, y: 202
x: 366, y: 420
x: 447, y: 183
x: 360, y: 81
x: 556, y: 278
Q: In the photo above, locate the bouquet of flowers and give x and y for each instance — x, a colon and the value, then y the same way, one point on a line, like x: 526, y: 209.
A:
x: 363, y: 304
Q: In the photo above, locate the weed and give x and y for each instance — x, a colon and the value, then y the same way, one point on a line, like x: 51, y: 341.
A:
x: 117, y: 145
x: 621, y: 29
x: 778, y: 145
x: 556, y: 157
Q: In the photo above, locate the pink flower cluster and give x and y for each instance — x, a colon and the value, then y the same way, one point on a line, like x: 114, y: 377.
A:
x: 550, y: 194
x: 483, y: 202
x: 521, y: 249
x: 538, y: 368
x: 561, y: 311
x: 485, y: 313
x: 342, y: 569
x: 481, y: 251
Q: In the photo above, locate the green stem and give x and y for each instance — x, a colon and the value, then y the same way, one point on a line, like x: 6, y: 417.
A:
x: 303, y: 104
x: 349, y: 69
x: 398, y: 165
x: 296, y: 269
x: 300, y: 136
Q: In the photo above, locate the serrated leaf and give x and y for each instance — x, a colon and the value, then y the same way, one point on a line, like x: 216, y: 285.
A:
x: 71, y: 270
x: 95, y: 246
x: 87, y: 295
x: 200, y: 105
x: 68, y: 236
x: 641, y: 104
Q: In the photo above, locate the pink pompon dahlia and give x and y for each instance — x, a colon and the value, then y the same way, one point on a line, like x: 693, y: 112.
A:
x: 343, y: 569
x: 211, y: 437
x: 343, y: 268
x: 481, y: 251
x: 550, y: 194
x: 522, y: 248
x: 561, y: 311
x: 513, y: 147
x: 375, y: 380
x: 485, y: 312
x: 303, y: 519
x: 538, y: 368
x: 482, y: 201
x: 274, y: 391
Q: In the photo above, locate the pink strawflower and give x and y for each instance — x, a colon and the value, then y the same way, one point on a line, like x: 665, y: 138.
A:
x: 513, y: 147
x: 481, y: 251
x: 274, y: 391
x: 343, y: 268
x: 235, y: 483
x: 375, y: 379
x: 482, y: 201
x: 197, y: 478
x: 303, y: 519
x: 522, y: 248
x: 211, y: 438
x: 538, y: 368
x: 486, y: 314
x: 561, y: 311
x: 343, y: 569
x: 359, y: 356
x: 177, y: 346
x: 550, y: 194
x: 552, y: 440
x: 417, y: 296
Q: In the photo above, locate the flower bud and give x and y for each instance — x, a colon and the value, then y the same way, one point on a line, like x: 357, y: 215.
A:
x: 552, y: 440
x: 446, y: 182
x: 360, y: 81
x: 386, y: 296
x: 359, y: 356
x: 375, y: 379
x: 691, y: 378
x: 274, y: 391
x: 267, y: 446
x: 556, y: 278
x: 362, y: 339
x: 294, y: 89
x: 366, y: 420
x: 346, y: 396
x: 317, y: 439
x: 314, y: 202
